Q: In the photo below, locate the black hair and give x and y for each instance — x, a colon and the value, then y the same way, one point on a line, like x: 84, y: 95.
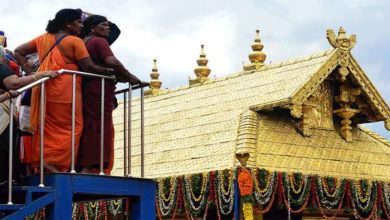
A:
x: 62, y: 18
x: 90, y: 22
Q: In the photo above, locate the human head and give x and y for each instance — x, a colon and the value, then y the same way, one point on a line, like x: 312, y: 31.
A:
x: 65, y: 20
x: 97, y: 25
x: 3, y: 39
x: 3, y: 53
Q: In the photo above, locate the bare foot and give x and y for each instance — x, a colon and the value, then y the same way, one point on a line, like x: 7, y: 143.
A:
x: 50, y: 169
x: 87, y: 170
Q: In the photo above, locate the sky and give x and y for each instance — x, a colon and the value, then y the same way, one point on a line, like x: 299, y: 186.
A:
x: 173, y: 30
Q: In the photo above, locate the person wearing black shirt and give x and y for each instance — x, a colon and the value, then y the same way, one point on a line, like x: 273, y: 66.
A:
x: 8, y: 83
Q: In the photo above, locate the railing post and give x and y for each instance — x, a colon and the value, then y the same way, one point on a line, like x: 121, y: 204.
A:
x: 129, y: 130
x: 10, y: 153
x: 102, y: 128
x: 42, y: 127
x: 73, y: 121
x: 142, y: 133
x: 124, y: 134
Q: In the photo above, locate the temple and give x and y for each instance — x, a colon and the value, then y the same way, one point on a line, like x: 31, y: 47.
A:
x: 271, y: 141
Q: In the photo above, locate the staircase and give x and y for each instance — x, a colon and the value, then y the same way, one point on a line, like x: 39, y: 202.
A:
x: 62, y: 189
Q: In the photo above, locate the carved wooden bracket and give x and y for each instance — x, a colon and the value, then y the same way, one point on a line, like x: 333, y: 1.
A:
x: 305, y: 122
x: 387, y: 124
x: 347, y: 94
x: 346, y: 114
x: 296, y: 110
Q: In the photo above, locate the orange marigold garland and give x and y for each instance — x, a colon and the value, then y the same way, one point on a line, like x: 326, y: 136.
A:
x: 245, y: 186
x: 245, y: 183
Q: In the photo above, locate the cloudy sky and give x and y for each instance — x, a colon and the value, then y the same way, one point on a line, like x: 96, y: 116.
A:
x: 172, y: 31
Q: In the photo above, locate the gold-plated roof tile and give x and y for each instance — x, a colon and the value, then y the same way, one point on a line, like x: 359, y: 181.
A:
x: 195, y: 129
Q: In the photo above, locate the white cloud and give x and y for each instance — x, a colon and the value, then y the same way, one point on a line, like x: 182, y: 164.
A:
x: 172, y: 31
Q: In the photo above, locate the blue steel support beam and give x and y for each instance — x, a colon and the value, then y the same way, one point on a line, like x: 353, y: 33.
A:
x: 236, y: 201
x: 62, y: 207
x: 144, y: 207
x: 33, y: 207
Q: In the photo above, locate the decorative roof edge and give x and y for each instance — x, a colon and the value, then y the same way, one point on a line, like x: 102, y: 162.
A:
x: 369, y: 89
x: 301, y: 94
x: 270, y: 105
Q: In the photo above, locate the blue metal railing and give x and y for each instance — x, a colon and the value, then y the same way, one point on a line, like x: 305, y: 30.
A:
x: 126, y: 133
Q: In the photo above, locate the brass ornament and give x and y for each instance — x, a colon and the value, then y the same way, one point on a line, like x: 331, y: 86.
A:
x: 341, y: 41
x: 243, y: 158
x: 201, y: 71
x: 344, y: 44
x: 155, y: 83
x: 257, y: 57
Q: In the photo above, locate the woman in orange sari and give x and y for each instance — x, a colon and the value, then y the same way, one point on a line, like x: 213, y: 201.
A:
x: 59, y: 48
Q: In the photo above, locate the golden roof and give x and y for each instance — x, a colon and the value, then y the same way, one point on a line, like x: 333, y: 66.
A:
x: 275, y: 113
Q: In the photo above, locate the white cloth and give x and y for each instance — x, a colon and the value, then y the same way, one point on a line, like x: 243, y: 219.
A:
x: 4, y: 115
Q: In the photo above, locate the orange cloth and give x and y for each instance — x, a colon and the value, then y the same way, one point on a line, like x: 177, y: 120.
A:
x: 58, y: 101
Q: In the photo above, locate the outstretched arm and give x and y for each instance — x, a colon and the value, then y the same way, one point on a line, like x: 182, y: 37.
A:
x: 14, y: 82
x: 118, y: 67
x: 87, y: 65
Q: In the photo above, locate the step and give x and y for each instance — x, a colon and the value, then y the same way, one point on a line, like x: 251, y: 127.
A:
x: 33, y: 189
x: 13, y: 207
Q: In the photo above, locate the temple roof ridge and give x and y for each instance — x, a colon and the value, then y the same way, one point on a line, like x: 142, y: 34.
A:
x: 280, y: 64
x: 374, y: 135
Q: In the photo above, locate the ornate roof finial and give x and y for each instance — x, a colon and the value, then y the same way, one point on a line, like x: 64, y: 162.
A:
x: 341, y: 41
x: 344, y: 44
x: 155, y: 83
x: 201, y: 71
x: 257, y: 57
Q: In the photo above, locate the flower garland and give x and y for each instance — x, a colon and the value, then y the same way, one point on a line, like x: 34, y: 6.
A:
x: 263, y: 195
x: 93, y: 209
x: 196, y: 204
x: 384, y: 193
x: 322, y: 202
x: 327, y: 199
x: 99, y: 209
x: 298, y: 197
x: 179, y: 200
x: 369, y: 205
x: 245, y: 186
x: 267, y: 194
x: 114, y: 206
x: 225, y: 197
x: 259, y: 188
x: 166, y: 204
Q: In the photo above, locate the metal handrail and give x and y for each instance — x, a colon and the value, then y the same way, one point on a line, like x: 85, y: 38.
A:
x: 61, y: 71
x: 33, y: 84
x: 127, y: 124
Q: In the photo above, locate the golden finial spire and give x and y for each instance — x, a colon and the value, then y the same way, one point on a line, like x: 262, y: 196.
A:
x: 155, y: 83
x: 341, y: 41
x: 257, y: 57
x: 201, y: 71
